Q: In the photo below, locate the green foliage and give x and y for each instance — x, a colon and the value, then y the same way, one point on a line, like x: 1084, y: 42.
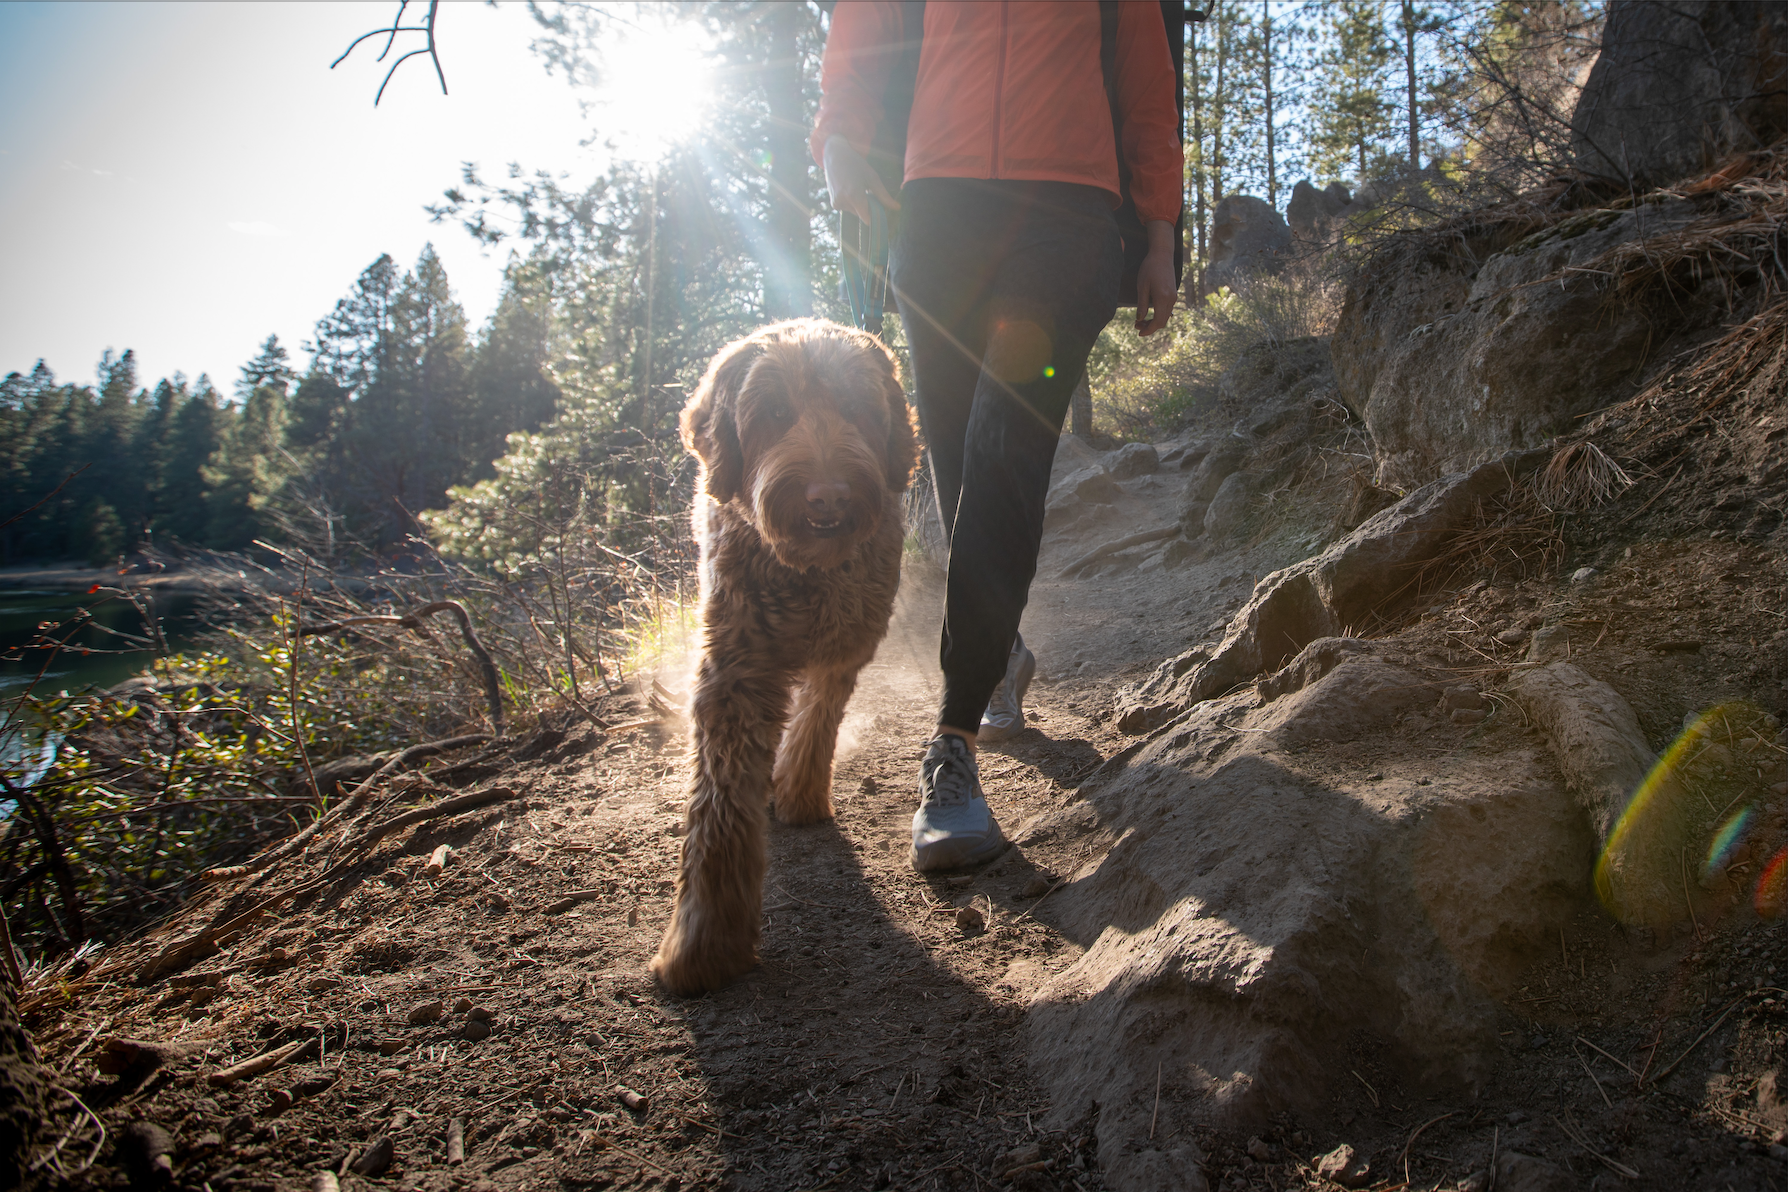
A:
x: 1145, y: 386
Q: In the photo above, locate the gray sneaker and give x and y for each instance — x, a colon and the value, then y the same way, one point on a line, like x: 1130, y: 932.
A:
x: 1004, y: 717
x: 953, y: 828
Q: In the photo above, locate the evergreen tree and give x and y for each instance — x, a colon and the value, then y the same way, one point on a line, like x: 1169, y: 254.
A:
x: 183, y: 507
x: 1349, y: 116
x: 247, y: 469
x: 271, y: 366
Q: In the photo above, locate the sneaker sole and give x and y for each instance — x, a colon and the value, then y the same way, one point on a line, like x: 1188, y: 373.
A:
x: 982, y: 853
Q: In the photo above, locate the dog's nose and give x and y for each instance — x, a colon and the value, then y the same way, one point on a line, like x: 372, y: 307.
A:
x: 828, y: 498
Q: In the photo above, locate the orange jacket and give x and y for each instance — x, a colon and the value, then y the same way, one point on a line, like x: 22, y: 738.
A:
x: 1013, y: 89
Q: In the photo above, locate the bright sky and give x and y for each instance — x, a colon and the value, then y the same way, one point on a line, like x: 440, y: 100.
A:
x: 183, y: 179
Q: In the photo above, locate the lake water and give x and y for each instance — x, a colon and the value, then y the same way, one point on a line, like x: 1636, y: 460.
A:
x: 109, y: 659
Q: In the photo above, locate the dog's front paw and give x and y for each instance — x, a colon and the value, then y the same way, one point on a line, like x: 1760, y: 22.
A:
x: 803, y: 811
x: 691, y: 962
x: 803, y: 799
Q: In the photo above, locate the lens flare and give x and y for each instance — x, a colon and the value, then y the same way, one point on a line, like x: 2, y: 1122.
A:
x: 1647, y: 872
x: 1720, y: 850
x: 1772, y: 887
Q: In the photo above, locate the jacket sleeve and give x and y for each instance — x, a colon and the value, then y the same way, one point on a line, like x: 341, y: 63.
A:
x: 1151, y: 120
x: 860, y: 50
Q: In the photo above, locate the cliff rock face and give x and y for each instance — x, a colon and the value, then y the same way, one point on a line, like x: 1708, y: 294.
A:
x: 1680, y: 86
x: 1457, y: 347
x: 1247, y: 236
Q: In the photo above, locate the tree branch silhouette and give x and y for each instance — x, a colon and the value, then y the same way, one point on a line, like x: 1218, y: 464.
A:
x: 397, y: 26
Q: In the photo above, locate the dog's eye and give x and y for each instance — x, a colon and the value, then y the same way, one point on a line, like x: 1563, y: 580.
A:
x: 779, y: 411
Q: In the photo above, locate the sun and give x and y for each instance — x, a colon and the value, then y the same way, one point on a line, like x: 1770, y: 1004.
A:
x: 655, y: 86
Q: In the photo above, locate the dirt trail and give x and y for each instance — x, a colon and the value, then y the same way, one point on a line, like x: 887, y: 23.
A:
x: 876, y: 1046
x: 879, y: 1044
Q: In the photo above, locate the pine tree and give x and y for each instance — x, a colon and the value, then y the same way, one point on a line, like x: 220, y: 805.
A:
x: 247, y: 469
x: 271, y: 366
x: 183, y: 508
x: 1349, y: 118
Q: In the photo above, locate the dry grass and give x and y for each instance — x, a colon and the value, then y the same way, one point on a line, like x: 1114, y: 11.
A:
x: 1579, y: 476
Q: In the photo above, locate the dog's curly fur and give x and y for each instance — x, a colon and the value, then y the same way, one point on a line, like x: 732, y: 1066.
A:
x: 806, y: 443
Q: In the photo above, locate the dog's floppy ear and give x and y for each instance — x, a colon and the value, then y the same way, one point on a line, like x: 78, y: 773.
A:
x: 903, y: 442
x: 710, y: 423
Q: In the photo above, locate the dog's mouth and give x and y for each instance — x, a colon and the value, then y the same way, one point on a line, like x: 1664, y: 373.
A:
x: 831, y: 527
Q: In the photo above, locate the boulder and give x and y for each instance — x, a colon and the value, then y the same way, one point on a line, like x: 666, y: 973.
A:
x: 1229, y: 506
x: 1679, y: 87
x: 1133, y: 460
x: 1311, y: 212
x: 1355, y: 578
x: 1245, y: 918
x: 1451, y: 363
x: 1247, y: 236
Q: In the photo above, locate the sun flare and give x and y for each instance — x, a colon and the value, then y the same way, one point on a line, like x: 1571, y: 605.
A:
x: 655, y: 87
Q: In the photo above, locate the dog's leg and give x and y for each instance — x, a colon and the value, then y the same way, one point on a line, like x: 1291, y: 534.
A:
x: 736, y: 714
x: 804, y: 764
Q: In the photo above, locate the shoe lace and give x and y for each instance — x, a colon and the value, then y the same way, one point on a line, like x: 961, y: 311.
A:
x: 950, y: 777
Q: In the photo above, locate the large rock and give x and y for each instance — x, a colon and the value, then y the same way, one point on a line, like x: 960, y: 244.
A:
x: 1246, y: 917
x: 1326, y: 596
x: 1247, y: 236
x: 1312, y: 212
x: 1452, y: 363
x: 1680, y: 86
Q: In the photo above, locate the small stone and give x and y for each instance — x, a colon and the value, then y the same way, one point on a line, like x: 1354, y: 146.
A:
x: 210, y: 1140
x: 1259, y: 1151
x: 1537, y: 1042
x: 970, y: 919
x: 1344, y: 1166
x: 960, y: 883
x: 462, y: 1005
x: 391, y: 1074
x: 1581, y: 574
x: 375, y: 1159
x: 278, y: 1101
x: 475, y: 1030
x: 1036, y: 887
x: 391, y: 1046
x: 1512, y: 636
x: 322, y: 984
x: 479, y: 1014
x: 426, y: 1012
x: 866, y: 786
x: 242, y: 1123
x: 1019, y: 1156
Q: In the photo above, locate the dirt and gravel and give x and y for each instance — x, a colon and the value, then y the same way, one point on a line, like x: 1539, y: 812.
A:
x: 492, y: 1025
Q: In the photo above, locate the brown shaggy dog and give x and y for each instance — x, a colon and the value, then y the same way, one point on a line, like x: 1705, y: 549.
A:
x: 806, y: 444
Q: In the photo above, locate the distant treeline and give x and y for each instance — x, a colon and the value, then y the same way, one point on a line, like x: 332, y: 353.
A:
x: 400, y: 403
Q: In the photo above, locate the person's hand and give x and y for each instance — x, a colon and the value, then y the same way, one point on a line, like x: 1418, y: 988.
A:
x: 1155, y: 288
x: 851, y: 182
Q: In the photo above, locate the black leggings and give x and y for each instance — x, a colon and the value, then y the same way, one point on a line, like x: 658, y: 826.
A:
x: 1002, y: 289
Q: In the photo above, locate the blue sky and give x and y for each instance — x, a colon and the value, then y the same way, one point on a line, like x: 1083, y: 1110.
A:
x: 183, y: 179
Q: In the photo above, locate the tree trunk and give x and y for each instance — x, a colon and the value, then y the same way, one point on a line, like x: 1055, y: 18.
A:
x: 1409, y: 62
x: 1080, y: 409
x: 1218, y: 103
x: 1195, y: 275
x: 1266, y: 45
x: 788, y: 291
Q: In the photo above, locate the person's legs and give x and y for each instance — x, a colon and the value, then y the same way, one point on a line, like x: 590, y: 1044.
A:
x: 1054, y: 291
x: 1002, y: 289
